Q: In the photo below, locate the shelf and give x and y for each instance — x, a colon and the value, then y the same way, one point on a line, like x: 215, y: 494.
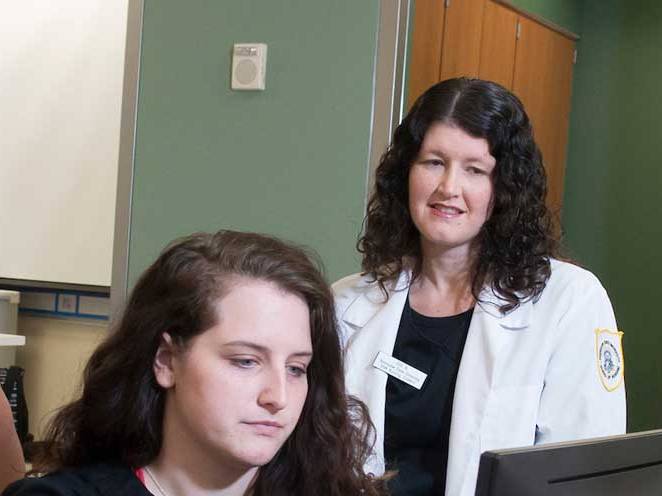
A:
x: 11, y: 340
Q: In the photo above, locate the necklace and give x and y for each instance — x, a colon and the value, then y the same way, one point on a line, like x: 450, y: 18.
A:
x: 156, y: 483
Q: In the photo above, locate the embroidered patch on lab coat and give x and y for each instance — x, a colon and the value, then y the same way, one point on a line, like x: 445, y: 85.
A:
x: 609, y: 351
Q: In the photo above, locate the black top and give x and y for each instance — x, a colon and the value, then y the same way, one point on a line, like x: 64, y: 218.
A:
x: 91, y: 480
x: 417, y: 422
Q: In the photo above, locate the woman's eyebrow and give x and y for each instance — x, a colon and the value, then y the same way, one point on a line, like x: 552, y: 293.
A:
x: 302, y: 354
x: 432, y: 151
x: 482, y: 159
x: 247, y: 344
x: 263, y: 349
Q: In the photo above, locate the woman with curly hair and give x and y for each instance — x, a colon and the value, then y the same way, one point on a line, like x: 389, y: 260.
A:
x: 223, y: 377
x: 466, y: 332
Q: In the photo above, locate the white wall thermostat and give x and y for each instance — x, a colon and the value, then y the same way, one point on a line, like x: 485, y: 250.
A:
x: 249, y: 66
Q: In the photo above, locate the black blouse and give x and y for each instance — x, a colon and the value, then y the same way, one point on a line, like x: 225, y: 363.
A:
x: 101, y: 479
x: 417, y: 422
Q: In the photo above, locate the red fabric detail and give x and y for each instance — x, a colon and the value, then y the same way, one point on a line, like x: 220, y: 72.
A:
x: 140, y: 473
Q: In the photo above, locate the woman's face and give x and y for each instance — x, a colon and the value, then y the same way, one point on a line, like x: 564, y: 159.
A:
x: 450, y: 189
x: 235, y: 394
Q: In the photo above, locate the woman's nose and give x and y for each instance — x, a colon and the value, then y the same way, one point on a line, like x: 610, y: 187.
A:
x: 273, y: 395
x: 449, y: 182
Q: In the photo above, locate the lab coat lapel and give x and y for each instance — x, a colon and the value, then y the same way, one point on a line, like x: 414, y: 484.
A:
x: 378, y: 323
x: 480, y: 365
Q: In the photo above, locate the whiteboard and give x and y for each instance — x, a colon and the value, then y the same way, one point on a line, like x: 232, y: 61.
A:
x: 61, y: 74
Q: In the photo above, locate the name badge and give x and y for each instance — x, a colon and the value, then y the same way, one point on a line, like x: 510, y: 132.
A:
x: 399, y: 370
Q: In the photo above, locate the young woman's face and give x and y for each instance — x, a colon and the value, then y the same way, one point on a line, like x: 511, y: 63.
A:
x: 450, y: 188
x: 236, y: 393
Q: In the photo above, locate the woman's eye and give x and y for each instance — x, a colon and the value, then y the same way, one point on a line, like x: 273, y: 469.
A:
x: 434, y: 162
x: 296, y: 370
x: 244, y: 363
x: 476, y: 170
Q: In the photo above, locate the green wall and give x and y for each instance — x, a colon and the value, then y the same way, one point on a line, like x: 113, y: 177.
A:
x: 291, y: 161
x: 614, y: 179
x: 565, y: 13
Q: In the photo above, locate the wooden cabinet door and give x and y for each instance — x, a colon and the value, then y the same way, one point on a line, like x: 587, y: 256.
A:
x: 543, y: 81
x: 425, y: 52
x: 460, y: 54
x: 497, y: 47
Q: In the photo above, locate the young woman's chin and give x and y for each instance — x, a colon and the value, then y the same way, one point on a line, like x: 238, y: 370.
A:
x: 253, y: 455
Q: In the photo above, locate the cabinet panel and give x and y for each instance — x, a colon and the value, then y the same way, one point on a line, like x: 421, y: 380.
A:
x: 426, y: 47
x: 460, y: 54
x: 543, y: 81
x: 497, y: 48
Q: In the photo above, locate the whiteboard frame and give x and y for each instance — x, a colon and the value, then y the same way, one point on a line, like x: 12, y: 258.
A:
x: 121, y: 240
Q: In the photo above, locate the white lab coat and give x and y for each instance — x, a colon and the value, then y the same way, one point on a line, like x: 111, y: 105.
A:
x: 529, y: 377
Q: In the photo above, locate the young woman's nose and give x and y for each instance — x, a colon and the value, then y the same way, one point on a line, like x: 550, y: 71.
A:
x: 273, y: 395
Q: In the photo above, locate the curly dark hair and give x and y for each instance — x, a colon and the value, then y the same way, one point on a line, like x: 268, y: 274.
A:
x: 516, y: 243
x: 119, y: 416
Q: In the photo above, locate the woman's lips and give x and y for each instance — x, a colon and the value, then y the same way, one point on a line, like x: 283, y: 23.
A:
x: 265, y: 427
x: 446, y: 211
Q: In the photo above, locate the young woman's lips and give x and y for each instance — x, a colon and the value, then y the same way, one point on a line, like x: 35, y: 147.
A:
x: 265, y: 427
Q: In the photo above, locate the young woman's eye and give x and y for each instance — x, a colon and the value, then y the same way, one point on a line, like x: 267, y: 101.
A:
x: 433, y: 162
x: 244, y: 363
x: 296, y: 370
x: 476, y: 171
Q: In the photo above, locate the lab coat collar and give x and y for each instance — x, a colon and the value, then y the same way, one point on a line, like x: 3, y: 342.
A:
x: 518, y: 318
x: 372, y: 301
x: 363, y: 308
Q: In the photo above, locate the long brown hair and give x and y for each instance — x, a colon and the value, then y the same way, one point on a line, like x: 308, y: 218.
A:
x: 119, y: 416
x: 515, y: 244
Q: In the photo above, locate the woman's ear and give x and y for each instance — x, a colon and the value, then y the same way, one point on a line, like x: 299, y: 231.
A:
x: 163, y: 362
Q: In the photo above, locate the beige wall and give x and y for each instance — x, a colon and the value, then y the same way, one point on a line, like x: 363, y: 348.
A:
x: 53, y: 357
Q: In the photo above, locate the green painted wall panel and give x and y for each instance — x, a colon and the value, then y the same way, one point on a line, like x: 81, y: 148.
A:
x: 614, y: 179
x: 565, y: 13
x: 290, y: 161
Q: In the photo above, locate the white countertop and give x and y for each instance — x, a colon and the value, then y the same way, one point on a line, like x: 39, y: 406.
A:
x: 11, y: 340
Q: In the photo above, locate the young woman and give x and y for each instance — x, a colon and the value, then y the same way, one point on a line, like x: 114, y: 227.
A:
x: 503, y: 344
x: 222, y: 378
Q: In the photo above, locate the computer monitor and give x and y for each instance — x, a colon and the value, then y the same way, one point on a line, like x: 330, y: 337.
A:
x: 628, y: 465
